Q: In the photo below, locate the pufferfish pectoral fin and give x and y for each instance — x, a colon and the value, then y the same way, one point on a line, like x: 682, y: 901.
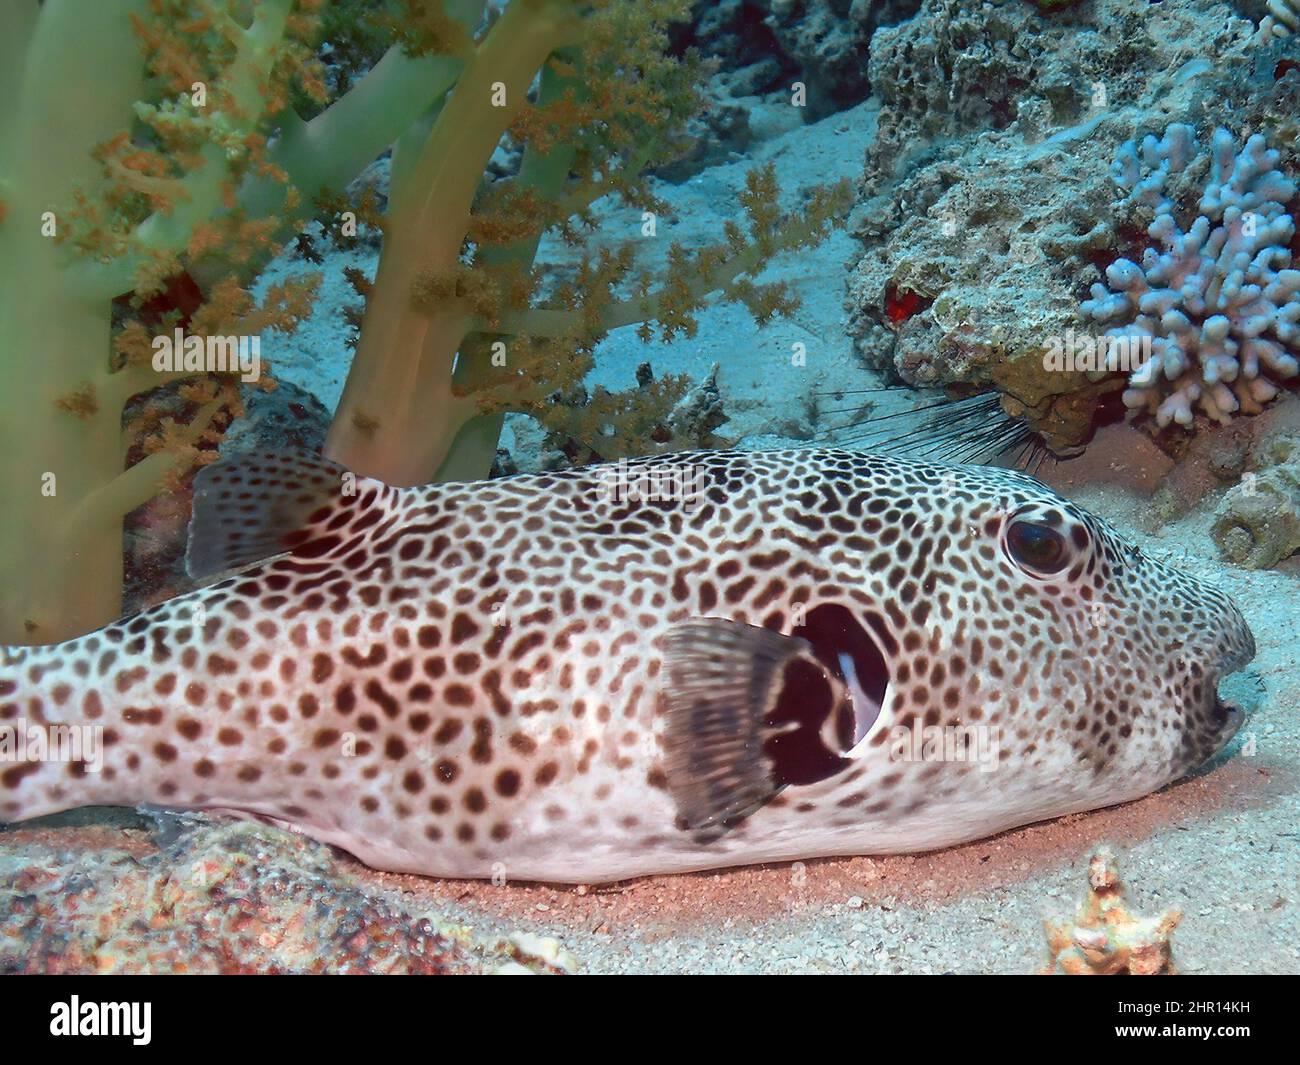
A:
x: 723, y: 680
x: 251, y: 508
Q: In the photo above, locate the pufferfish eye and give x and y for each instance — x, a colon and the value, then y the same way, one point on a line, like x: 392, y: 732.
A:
x: 1037, y: 547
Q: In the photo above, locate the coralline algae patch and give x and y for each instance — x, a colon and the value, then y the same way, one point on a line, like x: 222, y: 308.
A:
x: 1214, y: 297
x: 226, y: 898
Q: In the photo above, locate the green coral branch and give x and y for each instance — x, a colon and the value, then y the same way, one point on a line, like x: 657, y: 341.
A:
x: 450, y: 165
x: 402, y: 357
x: 310, y: 157
x: 18, y: 19
x: 542, y: 174
x: 332, y: 148
x: 141, y: 482
x: 394, y: 103
x: 199, y: 193
x: 92, y: 161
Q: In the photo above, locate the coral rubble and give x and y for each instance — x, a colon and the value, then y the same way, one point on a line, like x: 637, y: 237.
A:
x: 1257, y: 523
x: 1105, y: 938
x: 1215, y: 301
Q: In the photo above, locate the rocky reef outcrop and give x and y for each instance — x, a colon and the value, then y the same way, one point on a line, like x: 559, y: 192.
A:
x: 989, y: 207
x: 764, y: 45
x: 1257, y: 523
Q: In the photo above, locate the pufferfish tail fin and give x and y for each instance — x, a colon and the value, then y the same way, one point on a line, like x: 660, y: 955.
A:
x: 251, y: 508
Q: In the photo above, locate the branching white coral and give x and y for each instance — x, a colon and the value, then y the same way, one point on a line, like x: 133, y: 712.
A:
x: 1282, y: 20
x: 1217, y: 298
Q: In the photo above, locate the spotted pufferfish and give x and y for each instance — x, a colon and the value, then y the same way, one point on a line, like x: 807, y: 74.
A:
x: 547, y: 678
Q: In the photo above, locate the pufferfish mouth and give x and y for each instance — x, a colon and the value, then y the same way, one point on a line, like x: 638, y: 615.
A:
x: 1226, y: 716
x: 1211, y: 722
x: 1224, y: 713
x: 1239, y: 654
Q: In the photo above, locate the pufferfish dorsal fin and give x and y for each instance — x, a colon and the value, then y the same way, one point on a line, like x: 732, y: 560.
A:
x: 251, y: 508
x: 723, y: 680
